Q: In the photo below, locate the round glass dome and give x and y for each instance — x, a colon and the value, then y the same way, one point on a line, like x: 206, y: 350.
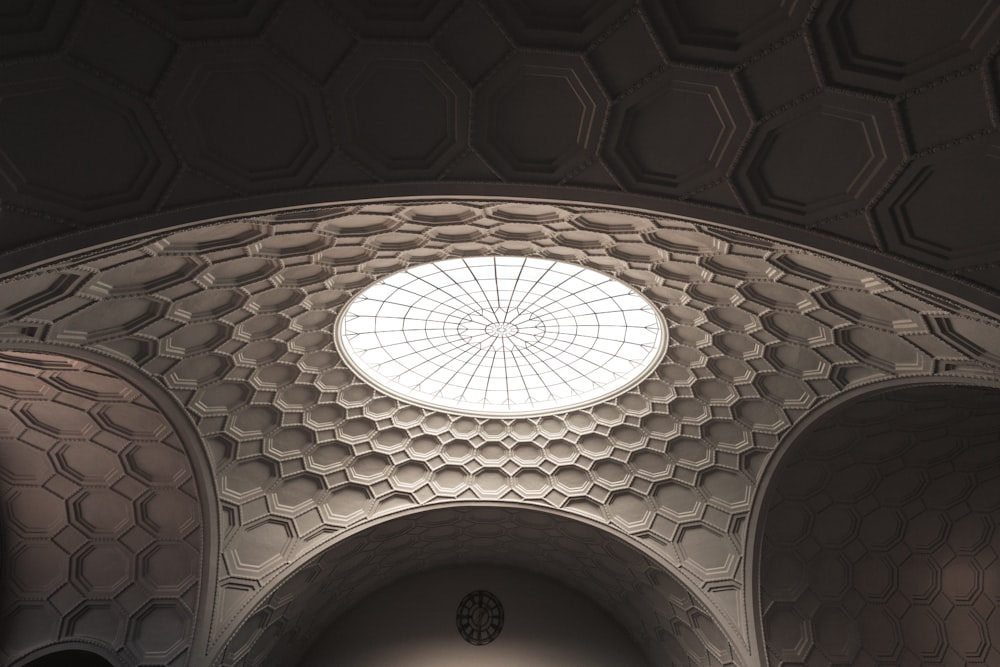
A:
x: 501, y: 336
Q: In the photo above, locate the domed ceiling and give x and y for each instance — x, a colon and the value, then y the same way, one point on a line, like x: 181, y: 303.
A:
x: 231, y: 324
x: 190, y: 194
x: 864, y: 129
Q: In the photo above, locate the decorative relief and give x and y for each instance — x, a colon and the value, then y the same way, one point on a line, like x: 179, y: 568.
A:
x: 234, y: 318
x: 35, y: 27
x: 880, y: 541
x: 228, y: 18
x: 868, y: 48
x: 545, y: 23
x: 471, y: 42
x: 822, y: 158
x: 409, y: 18
x: 137, y: 162
x: 244, y: 117
x: 954, y: 185
x: 720, y: 32
x: 412, y: 139
x: 303, y: 449
x: 307, y: 33
x: 539, y: 118
x: 105, y: 31
x: 678, y: 132
x: 101, y: 515
x: 665, y: 619
x: 475, y: 91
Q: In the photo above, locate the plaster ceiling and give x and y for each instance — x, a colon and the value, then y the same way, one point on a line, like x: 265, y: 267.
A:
x: 230, y: 325
x: 803, y: 190
x: 865, y: 130
x: 104, y: 523
x: 881, y: 537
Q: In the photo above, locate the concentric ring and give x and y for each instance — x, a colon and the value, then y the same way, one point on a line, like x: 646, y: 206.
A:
x: 501, y: 336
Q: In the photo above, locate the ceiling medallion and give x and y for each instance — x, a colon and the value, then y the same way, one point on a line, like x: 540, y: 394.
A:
x: 501, y: 336
x: 479, y: 617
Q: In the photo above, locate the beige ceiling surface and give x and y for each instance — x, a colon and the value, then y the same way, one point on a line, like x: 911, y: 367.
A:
x: 102, y: 533
x: 234, y: 321
x: 865, y: 129
x: 806, y: 190
x: 664, y: 619
x: 881, y: 543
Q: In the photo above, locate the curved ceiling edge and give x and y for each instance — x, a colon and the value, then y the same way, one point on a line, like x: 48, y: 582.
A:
x: 766, y: 485
x: 179, y: 420
x: 28, y: 257
x: 270, y: 605
x: 232, y: 319
x: 98, y: 649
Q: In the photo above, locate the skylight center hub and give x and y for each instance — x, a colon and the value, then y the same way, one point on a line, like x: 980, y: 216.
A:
x: 501, y: 330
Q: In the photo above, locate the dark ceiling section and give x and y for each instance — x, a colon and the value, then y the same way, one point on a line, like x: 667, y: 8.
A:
x: 666, y: 621
x: 399, y: 111
x: 244, y: 117
x: 881, y: 543
x: 75, y: 657
x: 865, y: 129
x: 102, y: 534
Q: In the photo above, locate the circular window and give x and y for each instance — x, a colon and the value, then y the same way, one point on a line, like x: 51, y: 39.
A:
x: 501, y: 336
x: 479, y: 617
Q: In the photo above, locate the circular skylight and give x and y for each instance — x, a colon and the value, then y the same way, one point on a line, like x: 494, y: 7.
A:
x: 501, y: 336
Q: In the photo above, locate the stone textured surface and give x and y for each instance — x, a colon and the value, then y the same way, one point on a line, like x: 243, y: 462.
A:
x: 856, y: 127
x: 234, y: 320
x: 880, y: 544
x: 101, y: 532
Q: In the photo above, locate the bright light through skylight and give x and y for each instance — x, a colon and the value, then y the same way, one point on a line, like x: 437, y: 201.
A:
x: 501, y: 336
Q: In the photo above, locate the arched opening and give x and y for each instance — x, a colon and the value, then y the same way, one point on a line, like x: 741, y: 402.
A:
x: 655, y: 609
x: 104, y: 529
x: 483, y: 615
x: 879, y: 541
x: 70, y: 658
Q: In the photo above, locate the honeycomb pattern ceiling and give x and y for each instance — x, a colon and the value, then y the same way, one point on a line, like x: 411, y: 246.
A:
x: 104, y: 527
x: 864, y: 129
x: 663, y: 618
x: 881, y: 544
x: 229, y: 326
x: 190, y: 193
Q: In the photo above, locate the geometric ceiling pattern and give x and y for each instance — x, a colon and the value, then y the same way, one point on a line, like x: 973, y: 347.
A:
x: 670, y: 625
x: 102, y: 536
x: 866, y: 130
x: 806, y: 191
x: 234, y: 320
x: 880, y: 541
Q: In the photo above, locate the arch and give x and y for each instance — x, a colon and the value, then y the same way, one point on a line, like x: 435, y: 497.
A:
x: 665, y: 616
x: 110, y: 510
x: 75, y: 653
x: 844, y: 561
x: 231, y: 318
